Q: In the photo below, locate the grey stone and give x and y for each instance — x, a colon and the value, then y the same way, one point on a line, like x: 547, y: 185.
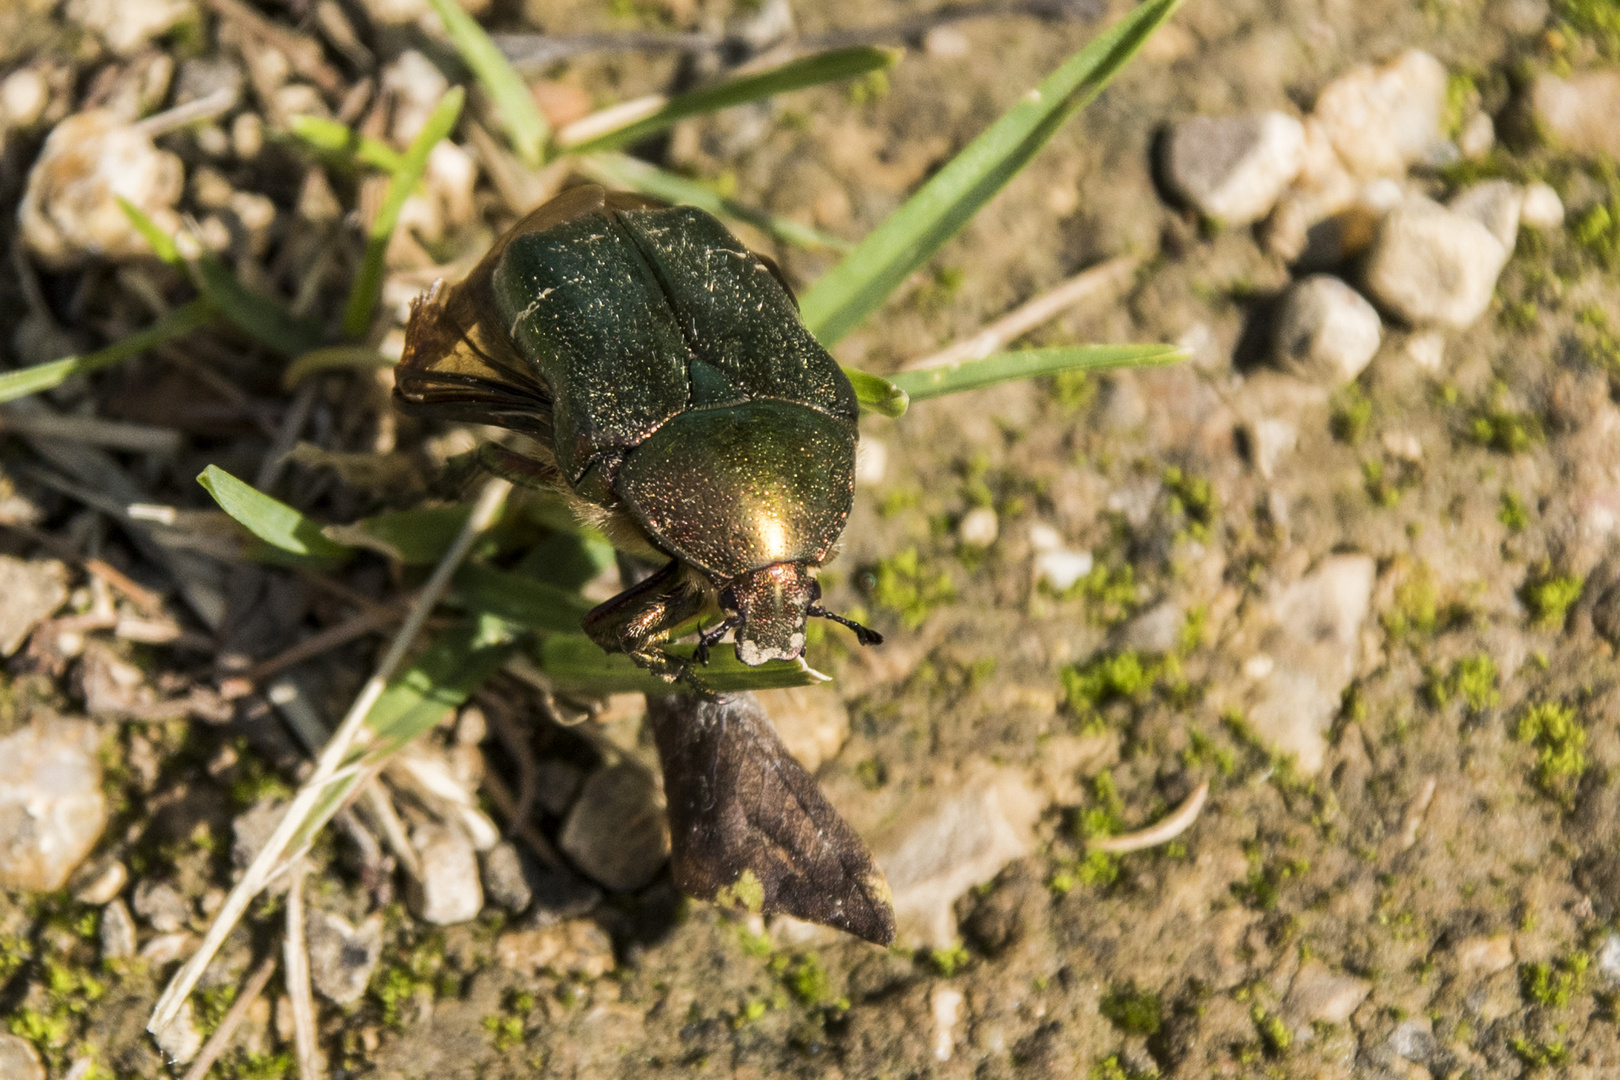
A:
x: 33, y: 591
x: 1608, y: 959
x: 1413, y: 1040
x: 1495, y: 204
x: 813, y: 721
x: 18, y: 1059
x: 1311, y: 648
x: 1156, y: 630
x: 506, y: 878
x: 341, y: 955
x: 99, y: 883
x: 51, y: 806
x: 616, y: 831
x: 1320, y: 994
x: 1381, y: 120
x: 1326, y: 331
x: 204, y: 76
x: 1430, y: 265
x: 161, y: 905
x: 1233, y: 168
x: 449, y: 891
x: 1579, y: 111
x: 557, y: 784
x: 180, y: 1040
x: 957, y: 836
x: 118, y: 939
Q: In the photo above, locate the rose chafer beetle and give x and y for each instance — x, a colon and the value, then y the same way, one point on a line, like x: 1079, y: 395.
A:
x: 664, y: 371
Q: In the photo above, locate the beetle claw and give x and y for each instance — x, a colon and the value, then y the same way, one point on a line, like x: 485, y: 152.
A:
x: 863, y: 634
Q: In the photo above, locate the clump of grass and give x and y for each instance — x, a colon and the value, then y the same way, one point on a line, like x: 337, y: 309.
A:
x: 1473, y: 679
x: 1537, y: 1054
x: 1555, y: 731
x: 1192, y: 500
x: 1548, y: 595
x: 1109, y: 677
x: 1601, y: 342
x: 903, y: 585
x: 1513, y: 513
x: 1507, y: 431
x: 1111, y: 1068
x: 1417, y: 605
x: 1262, y: 888
x: 1133, y: 1011
x: 1598, y: 21
x: 1352, y: 415
x: 1554, y: 984
x: 1110, y: 593
x: 1275, y: 1037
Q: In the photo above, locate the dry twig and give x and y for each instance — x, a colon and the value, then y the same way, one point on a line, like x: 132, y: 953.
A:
x: 1158, y: 833
x: 296, y: 964
x: 221, y: 1038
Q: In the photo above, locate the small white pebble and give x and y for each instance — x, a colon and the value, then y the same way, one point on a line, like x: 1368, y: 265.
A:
x: 1427, y: 350
x: 947, y: 43
x: 1402, y: 445
x: 1542, y: 208
x: 1477, y: 137
x: 1041, y: 537
x: 979, y: 527
x: 1258, y: 666
x: 247, y: 135
x: 946, y: 1004
x: 23, y: 97
x: 1061, y: 567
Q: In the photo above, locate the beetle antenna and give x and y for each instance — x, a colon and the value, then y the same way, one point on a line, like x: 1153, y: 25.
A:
x: 863, y: 634
x: 711, y: 637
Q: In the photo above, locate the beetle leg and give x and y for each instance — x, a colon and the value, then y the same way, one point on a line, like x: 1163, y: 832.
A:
x: 638, y: 621
x: 863, y: 634
x: 711, y: 637
x: 520, y: 469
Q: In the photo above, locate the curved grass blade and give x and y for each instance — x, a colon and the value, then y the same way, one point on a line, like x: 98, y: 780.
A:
x: 368, y: 283
x: 624, y: 171
x: 525, y: 126
x: 333, y: 358
x: 335, y: 140
x: 910, y: 236
x: 1030, y: 364
x: 256, y: 315
x: 877, y: 394
x: 177, y: 323
x: 518, y: 599
x: 271, y: 520
x: 825, y: 67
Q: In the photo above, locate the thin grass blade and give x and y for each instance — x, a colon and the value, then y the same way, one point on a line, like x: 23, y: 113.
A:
x: 576, y: 665
x: 253, y: 313
x: 518, y: 599
x: 525, y: 126
x: 368, y: 283
x: 832, y: 66
x: 877, y: 394
x: 910, y: 236
x: 1030, y: 364
x: 621, y: 170
x: 333, y: 358
x: 337, y: 141
x: 272, y: 520
x: 413, y: 537
x: 175, y: 324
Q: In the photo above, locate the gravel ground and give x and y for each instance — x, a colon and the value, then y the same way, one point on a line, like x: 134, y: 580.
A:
x: 1353, y: 566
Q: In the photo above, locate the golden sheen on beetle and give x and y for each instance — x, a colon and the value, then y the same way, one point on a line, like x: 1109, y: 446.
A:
x: 663, y: 372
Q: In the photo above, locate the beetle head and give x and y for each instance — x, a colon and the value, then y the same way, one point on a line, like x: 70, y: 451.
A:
x: 771, y: 604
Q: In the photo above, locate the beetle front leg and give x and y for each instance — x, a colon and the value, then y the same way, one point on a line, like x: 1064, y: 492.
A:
x: 638, y: 621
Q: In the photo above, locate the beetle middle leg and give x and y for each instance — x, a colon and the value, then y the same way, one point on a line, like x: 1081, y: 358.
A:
x: 638, y: 621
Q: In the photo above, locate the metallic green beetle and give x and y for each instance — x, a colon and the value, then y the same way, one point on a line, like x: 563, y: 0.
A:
x: 663, y: 370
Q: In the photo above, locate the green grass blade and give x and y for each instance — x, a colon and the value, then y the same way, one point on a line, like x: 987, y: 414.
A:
x: 414, y: 537
x: 576, y: 665
x: 806, y: 71
x: 1031, y: 364
x: 368, y: 283
x: 177, y: 323
x: 444, y: 676
x: 518, y: 599
x: 333, y: 358
x: 877, y: 394
x: 525, y: 126
x: 620, y: 170
x: 271, y: 520
x: 256, y: 315
x: 911, y: 235
x: 332, y: 139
